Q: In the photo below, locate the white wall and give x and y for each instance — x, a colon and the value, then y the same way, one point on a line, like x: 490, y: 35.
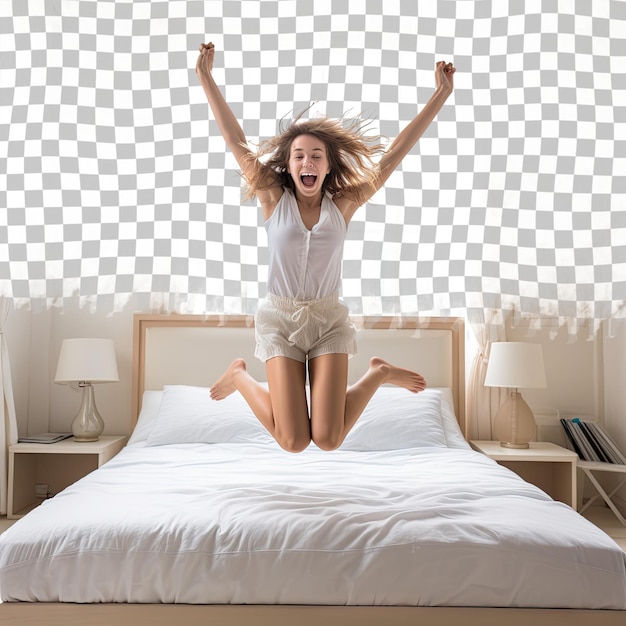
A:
x: 573, y: 370
x: 614, y: 347
x: 615, y: 379
x: 34, y: 339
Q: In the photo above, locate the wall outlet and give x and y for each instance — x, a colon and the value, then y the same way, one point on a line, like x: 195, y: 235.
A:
x: 41, y: 490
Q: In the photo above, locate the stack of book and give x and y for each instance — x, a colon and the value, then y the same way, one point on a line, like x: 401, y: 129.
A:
x: 591, y: 443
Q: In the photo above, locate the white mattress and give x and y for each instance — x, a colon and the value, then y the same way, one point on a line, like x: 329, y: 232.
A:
x: 249, y: 523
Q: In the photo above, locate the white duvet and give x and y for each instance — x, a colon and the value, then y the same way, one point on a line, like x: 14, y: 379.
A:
x: 249, y: 523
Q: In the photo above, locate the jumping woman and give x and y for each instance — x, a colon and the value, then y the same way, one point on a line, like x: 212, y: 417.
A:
x: 309, y: 181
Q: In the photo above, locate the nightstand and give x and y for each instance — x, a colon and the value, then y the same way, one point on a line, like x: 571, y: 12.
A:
x: 546, y: 465
x: 55, y: 465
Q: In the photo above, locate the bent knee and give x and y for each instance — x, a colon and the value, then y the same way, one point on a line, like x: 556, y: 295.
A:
x: 327, y: 440
x: 293, y: 443
x: 327, y: 445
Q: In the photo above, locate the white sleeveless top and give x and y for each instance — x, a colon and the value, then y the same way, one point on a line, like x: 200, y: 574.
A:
x: 304, y: 264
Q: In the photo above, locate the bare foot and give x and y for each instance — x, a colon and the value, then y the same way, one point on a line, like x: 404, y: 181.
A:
x: 225, y: 385
x: 399, y: 376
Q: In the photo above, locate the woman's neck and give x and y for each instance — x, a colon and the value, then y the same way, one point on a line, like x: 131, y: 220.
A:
x: 309, y: 204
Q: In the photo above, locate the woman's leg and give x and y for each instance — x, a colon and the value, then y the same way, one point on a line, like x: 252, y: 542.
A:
x: 328, y: 376
x: 286, y: 379
x: 335, y: 409
x: 282, y: 409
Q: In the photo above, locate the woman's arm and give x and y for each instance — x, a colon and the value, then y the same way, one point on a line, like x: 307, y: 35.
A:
x: 416, y: 128
x: 409, y: 136
x: 228, y: 124
x: 226, y: 121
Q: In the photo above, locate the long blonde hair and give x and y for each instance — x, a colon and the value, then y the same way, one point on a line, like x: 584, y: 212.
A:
x: 349, y: 150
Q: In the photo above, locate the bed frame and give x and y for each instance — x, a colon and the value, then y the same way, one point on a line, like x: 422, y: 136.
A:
x: 194, y: 350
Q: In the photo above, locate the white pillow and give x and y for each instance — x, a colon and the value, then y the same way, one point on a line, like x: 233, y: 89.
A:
x: 150, y: 403
x: 396, y: 419
x: 189, y: 415
x: 448, y: 418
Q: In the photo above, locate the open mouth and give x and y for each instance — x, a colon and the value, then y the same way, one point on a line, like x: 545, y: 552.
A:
x: 308, y: 180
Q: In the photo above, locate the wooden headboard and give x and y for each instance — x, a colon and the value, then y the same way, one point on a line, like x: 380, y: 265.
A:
x: 195, y: 350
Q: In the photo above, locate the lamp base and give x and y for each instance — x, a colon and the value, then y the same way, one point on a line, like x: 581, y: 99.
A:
x: 516, y: 446
x: 514, y: 425
x: 85, y: 439
x: 87, y: 425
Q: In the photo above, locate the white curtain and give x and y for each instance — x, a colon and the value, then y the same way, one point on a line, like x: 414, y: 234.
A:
x: 484, y: 402
x: 8, y: 429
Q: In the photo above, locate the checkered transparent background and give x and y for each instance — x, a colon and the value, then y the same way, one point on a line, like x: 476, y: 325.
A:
x: 114, y: 179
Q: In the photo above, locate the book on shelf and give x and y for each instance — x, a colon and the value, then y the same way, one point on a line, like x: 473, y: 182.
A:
x: 44, y: 438
x: 591, y: 443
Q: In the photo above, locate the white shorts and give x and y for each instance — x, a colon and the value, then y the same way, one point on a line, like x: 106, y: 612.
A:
x: 303, y: 328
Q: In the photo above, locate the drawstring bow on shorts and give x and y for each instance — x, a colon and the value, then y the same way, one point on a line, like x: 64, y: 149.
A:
x: 305, y: 311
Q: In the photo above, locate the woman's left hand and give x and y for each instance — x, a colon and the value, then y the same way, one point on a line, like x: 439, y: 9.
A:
x: 444, y: 73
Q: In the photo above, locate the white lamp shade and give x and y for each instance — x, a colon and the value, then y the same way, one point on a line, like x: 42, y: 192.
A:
x: 88, y: 360
x: 515, y: 364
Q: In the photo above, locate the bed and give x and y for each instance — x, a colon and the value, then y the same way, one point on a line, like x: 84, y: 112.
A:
x: 203, y: 519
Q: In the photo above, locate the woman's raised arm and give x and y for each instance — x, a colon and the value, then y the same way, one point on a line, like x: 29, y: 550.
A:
x: 403, y: 143
x: 226, y: 120
x: 414, y: 130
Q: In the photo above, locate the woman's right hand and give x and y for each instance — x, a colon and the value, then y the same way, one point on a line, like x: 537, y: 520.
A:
x: 444, y: 76
x: 204, y: 65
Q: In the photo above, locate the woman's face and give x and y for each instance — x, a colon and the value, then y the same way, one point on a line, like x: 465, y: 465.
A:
x: 308, y: 165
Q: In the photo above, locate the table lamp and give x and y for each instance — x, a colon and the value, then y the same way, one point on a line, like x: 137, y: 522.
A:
x: 87, y: 361
x: 515, y: 365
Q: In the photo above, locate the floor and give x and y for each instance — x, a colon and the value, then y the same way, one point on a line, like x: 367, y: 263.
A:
x: 601, y: 516
x: 5, y: 523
